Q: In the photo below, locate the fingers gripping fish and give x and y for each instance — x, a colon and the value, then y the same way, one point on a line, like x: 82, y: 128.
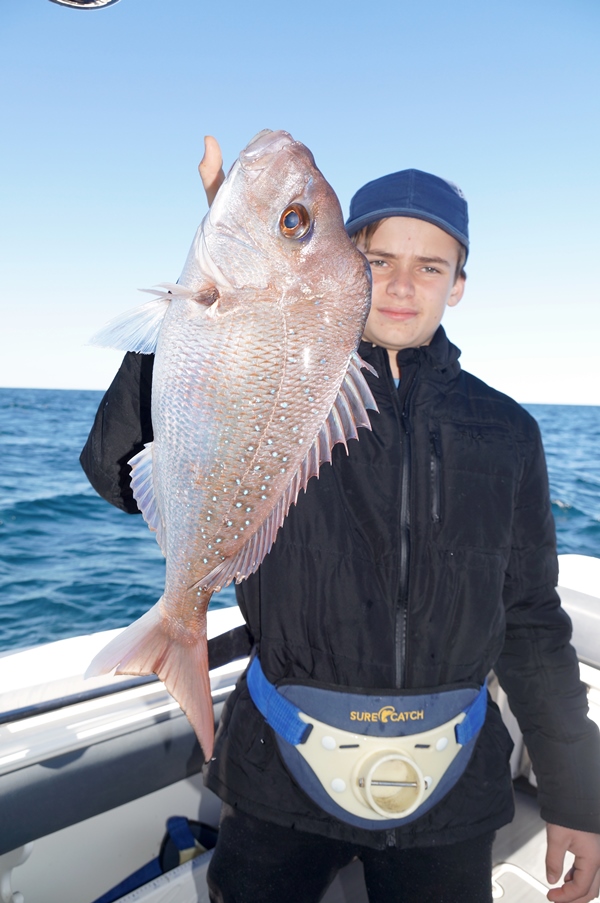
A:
x: 256, y: 377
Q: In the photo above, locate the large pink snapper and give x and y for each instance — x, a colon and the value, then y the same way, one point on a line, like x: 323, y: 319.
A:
x: 256, y: 377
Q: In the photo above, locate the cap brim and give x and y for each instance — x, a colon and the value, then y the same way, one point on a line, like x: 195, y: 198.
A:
x: 353, y: 226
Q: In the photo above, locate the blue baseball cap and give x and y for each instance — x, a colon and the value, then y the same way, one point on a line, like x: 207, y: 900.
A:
x: 412, y: 193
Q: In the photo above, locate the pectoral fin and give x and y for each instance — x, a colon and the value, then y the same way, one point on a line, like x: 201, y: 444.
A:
x: 137, y: 329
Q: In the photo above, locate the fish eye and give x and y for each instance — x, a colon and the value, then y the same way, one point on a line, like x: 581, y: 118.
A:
x: 295, y: 221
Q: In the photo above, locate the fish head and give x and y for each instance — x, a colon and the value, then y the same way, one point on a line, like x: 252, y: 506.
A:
x: 276, y: 226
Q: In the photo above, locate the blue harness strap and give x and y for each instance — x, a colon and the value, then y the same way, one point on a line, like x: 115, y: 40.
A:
x: 475, y: 716
x: 280, y: 713
x: 284, y: 716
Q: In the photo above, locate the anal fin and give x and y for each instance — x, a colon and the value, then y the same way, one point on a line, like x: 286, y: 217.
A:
x: 142, y: 486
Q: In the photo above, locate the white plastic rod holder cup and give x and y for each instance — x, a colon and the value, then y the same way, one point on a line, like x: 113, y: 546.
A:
x: 391, y: 783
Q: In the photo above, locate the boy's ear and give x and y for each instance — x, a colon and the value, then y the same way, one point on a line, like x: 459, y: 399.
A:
x: 457, y: 291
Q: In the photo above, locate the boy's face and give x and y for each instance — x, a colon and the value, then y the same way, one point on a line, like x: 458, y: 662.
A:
x: 414, y: 279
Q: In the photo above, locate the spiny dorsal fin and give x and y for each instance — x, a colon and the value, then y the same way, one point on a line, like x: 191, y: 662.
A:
x: 143, y: 492
x: 348, y: 412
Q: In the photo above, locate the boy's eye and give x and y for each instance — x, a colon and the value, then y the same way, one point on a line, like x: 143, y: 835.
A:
x: 377, y: 263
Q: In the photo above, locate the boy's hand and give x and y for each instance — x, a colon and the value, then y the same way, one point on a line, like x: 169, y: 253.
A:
x: 211, y: 168
x: 582, y: 881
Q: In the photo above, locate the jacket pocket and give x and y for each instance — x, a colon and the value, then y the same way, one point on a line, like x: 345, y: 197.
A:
x: 482, y: 467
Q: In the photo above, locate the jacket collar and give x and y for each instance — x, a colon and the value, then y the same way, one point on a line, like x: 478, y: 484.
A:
x: 440, y: 356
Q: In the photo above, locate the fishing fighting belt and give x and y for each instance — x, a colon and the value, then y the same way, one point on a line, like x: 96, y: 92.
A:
x: 373, y: 761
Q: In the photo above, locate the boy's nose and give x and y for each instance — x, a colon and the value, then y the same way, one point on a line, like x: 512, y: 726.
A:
x: 401, y: 285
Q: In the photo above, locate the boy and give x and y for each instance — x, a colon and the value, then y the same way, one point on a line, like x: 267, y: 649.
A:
x: 412, y: 566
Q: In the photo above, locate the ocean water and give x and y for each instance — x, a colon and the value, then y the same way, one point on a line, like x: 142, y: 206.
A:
x: 71, y: 564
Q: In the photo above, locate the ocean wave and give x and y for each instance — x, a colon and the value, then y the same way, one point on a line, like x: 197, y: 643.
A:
x: 56, y: 503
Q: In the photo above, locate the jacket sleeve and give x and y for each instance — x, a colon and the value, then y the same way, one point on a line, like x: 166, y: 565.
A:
x: 122, y: 427
x: 538, y: 667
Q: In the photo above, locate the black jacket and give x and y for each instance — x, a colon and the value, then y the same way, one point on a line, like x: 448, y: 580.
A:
x: 424, y: 558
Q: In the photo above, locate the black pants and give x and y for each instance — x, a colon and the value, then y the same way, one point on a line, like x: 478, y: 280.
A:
x: 259, y: 862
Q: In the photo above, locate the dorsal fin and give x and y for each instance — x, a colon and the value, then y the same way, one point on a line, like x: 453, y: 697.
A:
x: 348, y: 412
x: 143, y: 492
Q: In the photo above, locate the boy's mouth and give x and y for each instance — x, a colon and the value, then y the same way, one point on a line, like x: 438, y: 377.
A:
x: 399, y: 314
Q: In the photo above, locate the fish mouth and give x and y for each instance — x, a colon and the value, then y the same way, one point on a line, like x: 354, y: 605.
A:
x: 264, y: 144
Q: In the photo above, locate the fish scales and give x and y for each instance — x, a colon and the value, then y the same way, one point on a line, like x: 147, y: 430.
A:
x: 270, y: 424
x: 255, y: 378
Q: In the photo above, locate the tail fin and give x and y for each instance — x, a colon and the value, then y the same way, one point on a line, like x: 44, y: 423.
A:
x: 145, y: 647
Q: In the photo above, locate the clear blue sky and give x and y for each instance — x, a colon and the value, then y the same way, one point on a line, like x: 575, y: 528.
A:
x: 103, y: 115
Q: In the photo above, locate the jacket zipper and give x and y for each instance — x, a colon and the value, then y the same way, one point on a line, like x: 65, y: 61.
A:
x: 435, y: 470
x: 401, y: 628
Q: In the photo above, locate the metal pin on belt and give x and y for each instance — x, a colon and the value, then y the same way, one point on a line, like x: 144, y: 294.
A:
x: 361, y: 783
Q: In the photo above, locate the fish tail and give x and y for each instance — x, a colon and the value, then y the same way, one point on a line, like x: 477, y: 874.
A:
x: 147, y: 647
